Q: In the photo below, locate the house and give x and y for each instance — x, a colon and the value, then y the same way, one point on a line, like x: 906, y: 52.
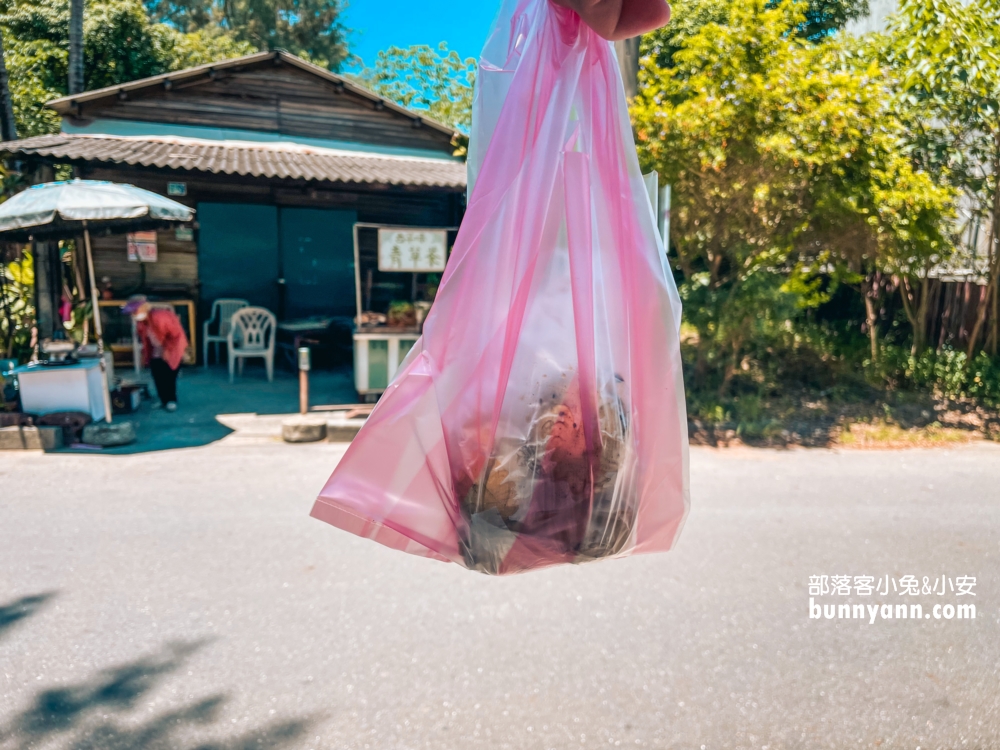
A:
x: 280, y: 158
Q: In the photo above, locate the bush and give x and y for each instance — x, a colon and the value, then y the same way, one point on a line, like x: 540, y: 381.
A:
x: 983, y: 379
x: 17, y: 313
x: 947, y: 373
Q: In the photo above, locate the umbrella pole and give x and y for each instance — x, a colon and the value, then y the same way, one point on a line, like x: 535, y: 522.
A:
x: 98, y: 332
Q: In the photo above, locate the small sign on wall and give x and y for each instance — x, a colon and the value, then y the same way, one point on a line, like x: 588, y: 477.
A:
x: 412, y: 250
x: 142, y: 247
x: 177, y: 188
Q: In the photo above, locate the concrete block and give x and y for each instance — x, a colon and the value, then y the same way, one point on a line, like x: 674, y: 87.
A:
x: 343, y: 430
x: 303, y: 430
x: 109, y: 435
x: 31, y: 438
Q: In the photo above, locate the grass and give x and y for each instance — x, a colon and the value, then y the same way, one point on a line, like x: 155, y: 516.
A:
x: 887, y: 435
x: 847, y: 420
x: 817, y: 389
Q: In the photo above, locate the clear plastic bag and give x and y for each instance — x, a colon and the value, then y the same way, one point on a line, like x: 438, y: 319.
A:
x: 540, y: 420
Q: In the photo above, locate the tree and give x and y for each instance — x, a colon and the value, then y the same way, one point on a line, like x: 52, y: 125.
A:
x: 187, y: 16
x: 825, y: 17
x: 436, y: 81
x: 821, y: 18
x: 120, y: 44
x: 8, y: 128
x: 17, y: 281
x: 202, y: 47
x: 76, y: 46
x: 946, y: 56
x: 311, y: 29
x: 789, y: 175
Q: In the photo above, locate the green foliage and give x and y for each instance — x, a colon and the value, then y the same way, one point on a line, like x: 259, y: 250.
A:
x: 120, y: 44
x: 824, y: 17
x: 311, y: 29
x: 204, y: 46
x: 31, y: 66
x: 687, y: 19
x: 982, y: 379
x: 820, y: 18
x: 17, y: 314
x: 22, y: 272
x: 400, y: 307
x: 419, y: 77
x: 789, y: 171
x: 948, y: 372
x: 946, y: 57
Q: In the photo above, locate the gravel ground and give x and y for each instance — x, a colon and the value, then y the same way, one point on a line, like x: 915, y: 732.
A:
x: 184, y: 599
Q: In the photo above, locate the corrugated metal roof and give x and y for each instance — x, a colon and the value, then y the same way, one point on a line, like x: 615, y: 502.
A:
x: 252, y: 159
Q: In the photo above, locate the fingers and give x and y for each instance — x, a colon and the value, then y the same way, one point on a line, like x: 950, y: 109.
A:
x: 620, y: 19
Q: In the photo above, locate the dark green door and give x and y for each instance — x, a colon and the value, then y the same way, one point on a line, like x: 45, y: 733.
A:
x: 238, y: 254
x: 317, y: 253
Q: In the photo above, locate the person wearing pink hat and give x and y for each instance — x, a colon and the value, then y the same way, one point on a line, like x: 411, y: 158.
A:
x: 620, y: 19
x: 163, y: 345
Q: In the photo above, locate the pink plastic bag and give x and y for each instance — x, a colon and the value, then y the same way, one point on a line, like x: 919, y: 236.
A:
x: 540, y: 420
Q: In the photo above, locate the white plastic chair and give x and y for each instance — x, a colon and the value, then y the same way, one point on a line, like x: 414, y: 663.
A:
x: 222, y: 314
x: 252, y: 334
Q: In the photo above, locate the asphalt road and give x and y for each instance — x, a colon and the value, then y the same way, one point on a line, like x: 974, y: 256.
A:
x: 186, y: 600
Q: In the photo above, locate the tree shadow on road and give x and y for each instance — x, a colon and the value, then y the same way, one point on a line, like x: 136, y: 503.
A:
x: 14, y: 611
x: 99, y: 713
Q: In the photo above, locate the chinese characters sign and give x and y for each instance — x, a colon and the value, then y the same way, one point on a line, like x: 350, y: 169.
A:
x: 142, y: 247
x: 413, y: 250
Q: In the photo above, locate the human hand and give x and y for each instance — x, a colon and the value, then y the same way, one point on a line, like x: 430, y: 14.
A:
x: 620, y: 19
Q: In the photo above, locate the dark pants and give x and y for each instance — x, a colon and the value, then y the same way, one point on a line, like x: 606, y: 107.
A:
x: 165, y: 379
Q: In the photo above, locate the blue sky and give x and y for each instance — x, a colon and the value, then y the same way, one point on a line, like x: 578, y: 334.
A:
x: 378, y: 24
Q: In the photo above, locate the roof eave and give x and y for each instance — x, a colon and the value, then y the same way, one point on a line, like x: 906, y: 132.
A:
x: 45, y: 152
x: 362, y: 91
x: 65, y: 105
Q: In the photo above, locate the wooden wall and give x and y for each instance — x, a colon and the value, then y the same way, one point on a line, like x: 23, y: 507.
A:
x: 952, y: 311
x: 176, y: 271
x: 271, y: 99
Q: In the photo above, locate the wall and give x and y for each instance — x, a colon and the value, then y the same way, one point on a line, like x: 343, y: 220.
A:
x: 270, y: 99
x: 176, y: 272
x: 879, y: 10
